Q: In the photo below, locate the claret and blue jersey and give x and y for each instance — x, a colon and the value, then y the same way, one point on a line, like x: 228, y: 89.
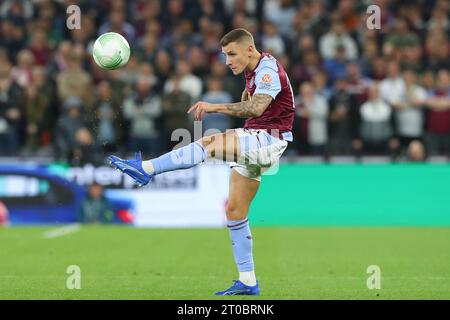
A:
x: 270, y: 78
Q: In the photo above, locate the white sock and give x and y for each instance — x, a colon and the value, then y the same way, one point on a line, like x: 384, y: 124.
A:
x: 148, y: 166
x: 248, y: 278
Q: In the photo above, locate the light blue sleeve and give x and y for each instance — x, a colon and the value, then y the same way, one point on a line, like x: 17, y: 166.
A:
x: 268, y: 82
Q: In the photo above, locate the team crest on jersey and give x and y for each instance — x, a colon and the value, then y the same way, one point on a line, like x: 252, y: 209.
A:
x: 266, y: 82
x: 266, y: 78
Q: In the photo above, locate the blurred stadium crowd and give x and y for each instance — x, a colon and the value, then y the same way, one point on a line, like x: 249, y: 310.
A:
x: 358, y: 91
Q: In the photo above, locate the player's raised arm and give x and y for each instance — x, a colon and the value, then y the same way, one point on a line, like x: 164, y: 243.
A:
x: 254, y: 107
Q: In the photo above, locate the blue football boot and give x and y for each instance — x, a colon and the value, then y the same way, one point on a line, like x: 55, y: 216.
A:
x: 133, y: 168
x: 238, y: 288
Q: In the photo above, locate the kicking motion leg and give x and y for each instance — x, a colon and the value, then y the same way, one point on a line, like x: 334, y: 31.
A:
x: 222, y: 146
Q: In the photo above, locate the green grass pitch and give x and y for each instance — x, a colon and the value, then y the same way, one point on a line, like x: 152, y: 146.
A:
x: 291, y: 263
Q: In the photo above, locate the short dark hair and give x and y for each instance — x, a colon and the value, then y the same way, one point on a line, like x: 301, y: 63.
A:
x: 235, y: 35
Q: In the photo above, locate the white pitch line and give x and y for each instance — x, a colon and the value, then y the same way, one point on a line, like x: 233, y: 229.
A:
x: 59, y: 232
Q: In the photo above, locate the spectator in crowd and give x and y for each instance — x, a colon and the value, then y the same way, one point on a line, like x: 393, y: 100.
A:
x: 376, y: 122
x: 439, y: 19
x: 119, y: 89
x: 305, y: 69
x: 416, y: 151
x: 427, y: 81
x: 174, y: 106
x: 198, y: 62
x: 312, y: 18
x: 338, y: 39
x: 5, y: 63
x: 40, y: 111
x: 437, y: 46
x: 249, y: 7
x: 411, y: 58
x: 408, y: 112
x: 366, y: 61
x: 60, y: 60
x: 438, y: 118
x: 75, y: 81
x: 85, y: 35
x: 392, y: 89
x: 144, y: 11
x: 180, y: 50
x: 337, y: 66
x: 95, y: 208
x: 413, y: 15
x: 401, y: 38
x: 11, y: 114
x: 378, y: 68
x: 272, y: 41
x: 52, y: 22
x: 189, y: 83
x: 40, y: 47
x: 86, y: 149
x: 142, y: 108
x: 12, y: 37
x: 174, y: 12
x: 68, y: 124
x: 320, y: 82
x: 163, y: 69
x: 105, y: 118
x: 131, y: 71
x: 18, y: 10
x: 240, y: 20
x: 358, y: 85
x: 214, y: 10
x: 315, y: 109
x: 350, y: 18
x: 281, y: 14
x: 148, y: 48
x: 22, y: 74
x: 344, y: 118
x: 210, y: 33
x: 117, y: 23
x: 305, y: 43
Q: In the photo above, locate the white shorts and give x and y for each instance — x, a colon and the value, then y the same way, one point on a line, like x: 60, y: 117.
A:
x: 260, y: 153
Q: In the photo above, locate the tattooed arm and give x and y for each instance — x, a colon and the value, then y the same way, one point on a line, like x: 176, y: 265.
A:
x: 247, y: 109
x: 253, y: 107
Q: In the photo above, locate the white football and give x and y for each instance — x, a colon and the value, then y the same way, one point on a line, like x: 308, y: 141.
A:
x: 111, y: 51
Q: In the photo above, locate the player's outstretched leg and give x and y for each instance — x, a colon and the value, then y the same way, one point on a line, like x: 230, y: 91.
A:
x: 220, y: 146
x: 143, y: 171
x: 242, y: 192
